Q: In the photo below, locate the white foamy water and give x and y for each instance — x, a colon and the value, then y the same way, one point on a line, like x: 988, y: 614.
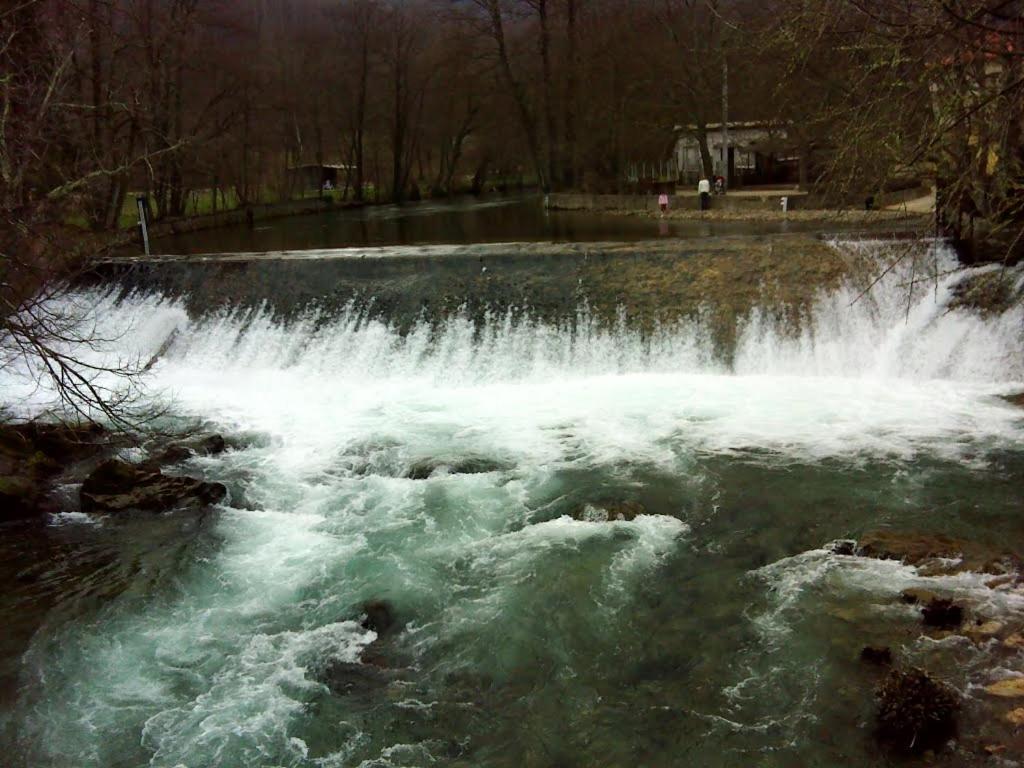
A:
x: 885, y: 372
x: 489, y: 572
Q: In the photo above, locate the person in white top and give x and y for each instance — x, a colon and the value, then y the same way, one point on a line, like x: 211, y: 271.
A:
x: 704, y: 190
x: 663, y: 203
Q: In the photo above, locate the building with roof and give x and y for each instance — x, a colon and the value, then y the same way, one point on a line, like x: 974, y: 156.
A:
x: 760, y: 152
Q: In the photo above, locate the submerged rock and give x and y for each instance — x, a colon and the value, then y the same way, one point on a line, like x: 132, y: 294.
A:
x: 915, y: 595
x: 936, y: 553
x: 117, y: 486
x: 943, y: 614
x: 1015, y: 641
x: 379, y: 617
x: 874, y: 654
x: 1011, y: 688
x: 421, y: 470
x: 208, y: 445
x: 1015, y: 717
x: 610, y: 511
x: 987, y: 293
x: 982, y: 629
x: 845, y: 547
x: 347, y: 678
x: 915, y: 713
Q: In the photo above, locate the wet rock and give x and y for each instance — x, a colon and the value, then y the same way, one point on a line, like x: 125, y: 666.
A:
x: 988, y: 293
x: 421, y: 470
x: 1015, y: 717
x: 31, y: 454
x: 117, y: 486
x: 347, y: 678
x: 379, y: 617
x: 936, y: 553
x: 19, y: 497
x: 846, y: 547
x: 915, y: 713
x: 942, y: 614
x: 609, y: 511
x: 208, y: 445
x: 915, y: 595
x: 1017, y: 399
x: 60, y: 443
x: 874, y: 654
x: 1011, y: 688
x: 983, y: 629
x: 1014, y: 641
x: 1001, y: 581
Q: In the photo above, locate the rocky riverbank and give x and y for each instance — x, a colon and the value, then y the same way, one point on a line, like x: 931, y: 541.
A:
x: 40, y: 461
x: 919, y: 713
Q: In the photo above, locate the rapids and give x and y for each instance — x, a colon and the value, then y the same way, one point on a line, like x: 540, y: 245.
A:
x: 712, y: 630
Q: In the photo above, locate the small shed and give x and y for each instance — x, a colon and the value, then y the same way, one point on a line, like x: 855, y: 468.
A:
x: 316, y: 175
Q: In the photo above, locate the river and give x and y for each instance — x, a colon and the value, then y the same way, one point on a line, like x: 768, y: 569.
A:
x: 711, y: 630
x: 490, y: 219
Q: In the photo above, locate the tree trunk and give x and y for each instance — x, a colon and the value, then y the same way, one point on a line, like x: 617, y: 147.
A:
x: 706, y: 161
x: 549, y: 105
x: 804, y: 163
x: 518, y: 93
x: 571, y: 160
x: 358, y: 149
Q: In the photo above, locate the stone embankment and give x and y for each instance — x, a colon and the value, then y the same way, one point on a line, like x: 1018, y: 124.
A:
x: 752, y: 207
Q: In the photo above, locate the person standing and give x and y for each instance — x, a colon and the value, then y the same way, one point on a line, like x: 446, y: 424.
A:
x: 704, y: 191
x: 663, y: 203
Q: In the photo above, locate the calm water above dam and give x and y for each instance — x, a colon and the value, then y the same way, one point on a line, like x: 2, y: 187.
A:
x: 463, y: 220
x: 440, y: 431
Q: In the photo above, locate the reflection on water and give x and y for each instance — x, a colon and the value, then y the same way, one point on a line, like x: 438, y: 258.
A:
x: 464, y: 220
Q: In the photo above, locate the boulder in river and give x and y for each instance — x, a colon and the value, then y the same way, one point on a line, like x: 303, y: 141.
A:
x: 379, y: 617
x: 472, y: 465
x: 875, y: 654
x: 348, y: 678
x: 943, y: 614
x: 207, y: 445
x: 1010, y: 688
x: 1015, y: 399
x: 916, y: 595
x: 1014, y: 641
x: 1015, y: 717
x: 845, y: 547
x: 19, y: 496
x: 32, y: 454
x: 936, y: 553
x: 610, y: 511
x: 915, y: 713
x: 117, y: 486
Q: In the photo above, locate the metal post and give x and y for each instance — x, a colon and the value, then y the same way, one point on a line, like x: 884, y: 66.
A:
x: 725, y: 122
x: 141, y: 204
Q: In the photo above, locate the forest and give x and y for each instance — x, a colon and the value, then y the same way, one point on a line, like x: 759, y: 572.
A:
x: 102, y: 99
